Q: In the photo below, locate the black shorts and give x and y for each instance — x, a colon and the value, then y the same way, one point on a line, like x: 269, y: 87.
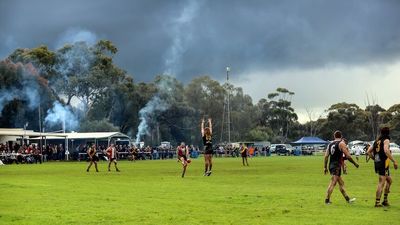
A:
x: 208, y: 152
x: 335, y: 171
x: 381, y: 169
x: 244, y: 154
x: 94, y: 158
x: 112, y: 159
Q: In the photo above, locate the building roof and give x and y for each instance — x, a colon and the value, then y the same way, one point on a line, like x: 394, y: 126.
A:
x: 91, y: 135
x: 96, y: 135
x: 19, y: 132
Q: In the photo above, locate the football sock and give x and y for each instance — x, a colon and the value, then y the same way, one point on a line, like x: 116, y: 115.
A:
x: 347, y: 198
x: 385, y: 197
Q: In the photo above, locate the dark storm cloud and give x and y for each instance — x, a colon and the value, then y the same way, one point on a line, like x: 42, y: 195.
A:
x: 205, y: 36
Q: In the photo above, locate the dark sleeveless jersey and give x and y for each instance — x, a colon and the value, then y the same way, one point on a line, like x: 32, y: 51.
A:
x: 379, y: 151
x: 207, y: 140
x: 335, y: 154
x: 92, y: 151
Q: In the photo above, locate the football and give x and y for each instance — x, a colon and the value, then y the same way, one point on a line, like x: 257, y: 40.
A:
x: 189, y: 160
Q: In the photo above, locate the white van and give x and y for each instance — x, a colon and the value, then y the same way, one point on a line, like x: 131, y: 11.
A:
x: 394, y: 148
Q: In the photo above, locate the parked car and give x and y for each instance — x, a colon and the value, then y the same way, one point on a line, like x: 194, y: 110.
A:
x: 354, y: 148
x: 307, y: 150
x: 290, y: 148
x: 280, y: 149
x: 272, y: 148
x: 394, y: 148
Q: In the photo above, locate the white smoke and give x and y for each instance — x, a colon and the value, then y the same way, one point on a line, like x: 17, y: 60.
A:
x: 7, y: 45
x: 75, y: 35
x: 7, y: 96
x: 28, y: 93
x: 77, y: 59
x: 181, y: 33
x: 31, y: 94
x: 148, y: 113
x: 62, y: 115
x: 158, y: 104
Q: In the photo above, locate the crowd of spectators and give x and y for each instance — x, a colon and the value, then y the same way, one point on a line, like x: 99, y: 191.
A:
x: 16, y: 153
x: 131, y: 152
x: 229, y: 151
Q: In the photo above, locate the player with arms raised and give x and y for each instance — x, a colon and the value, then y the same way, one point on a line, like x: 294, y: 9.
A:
x: 206, y: 133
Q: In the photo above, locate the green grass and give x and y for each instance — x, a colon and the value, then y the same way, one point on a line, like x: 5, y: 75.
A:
x: 274, y: 190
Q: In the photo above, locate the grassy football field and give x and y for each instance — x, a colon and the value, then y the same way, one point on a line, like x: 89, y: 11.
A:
x: 272, y: 190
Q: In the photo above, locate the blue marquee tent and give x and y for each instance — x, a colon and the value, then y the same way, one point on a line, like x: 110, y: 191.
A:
x: 307, y: 141
x: 310, y: 141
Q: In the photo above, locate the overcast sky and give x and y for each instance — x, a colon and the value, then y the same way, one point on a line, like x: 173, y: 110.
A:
x: 324, y: 51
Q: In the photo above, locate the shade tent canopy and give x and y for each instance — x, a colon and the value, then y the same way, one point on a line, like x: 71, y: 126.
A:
x: 19, y: 132
x: 93, y: 135
x: 97, y: 135
x: 310, y: 141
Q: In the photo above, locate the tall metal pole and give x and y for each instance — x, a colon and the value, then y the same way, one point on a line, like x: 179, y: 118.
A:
x: 229, y: 110
x: 40, y: 131
x: 66, y: 149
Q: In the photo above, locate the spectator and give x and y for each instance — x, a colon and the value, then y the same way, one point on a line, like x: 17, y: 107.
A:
x: 155, y: 153
x: 36, y: 155
x: 221, y: 151
x: 251, y: 151
x: 55, y: 153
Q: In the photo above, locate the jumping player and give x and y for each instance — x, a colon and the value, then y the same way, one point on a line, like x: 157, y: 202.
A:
x: 381, y: 155
x: 92, y: 157
x: 335, y: 152
x: 244, y: 152
x: 182, y: 152
x: 206, y: 134
x: 112, y: 157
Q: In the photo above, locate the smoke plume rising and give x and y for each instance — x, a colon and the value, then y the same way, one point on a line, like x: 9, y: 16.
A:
x: 26, y: 90
x: 61, y: 114
x: 181, y: 33
x: 160, y: 102
x: 147, y: 114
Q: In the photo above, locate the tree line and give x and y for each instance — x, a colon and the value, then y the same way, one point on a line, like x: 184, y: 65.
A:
x: 87, y: 83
